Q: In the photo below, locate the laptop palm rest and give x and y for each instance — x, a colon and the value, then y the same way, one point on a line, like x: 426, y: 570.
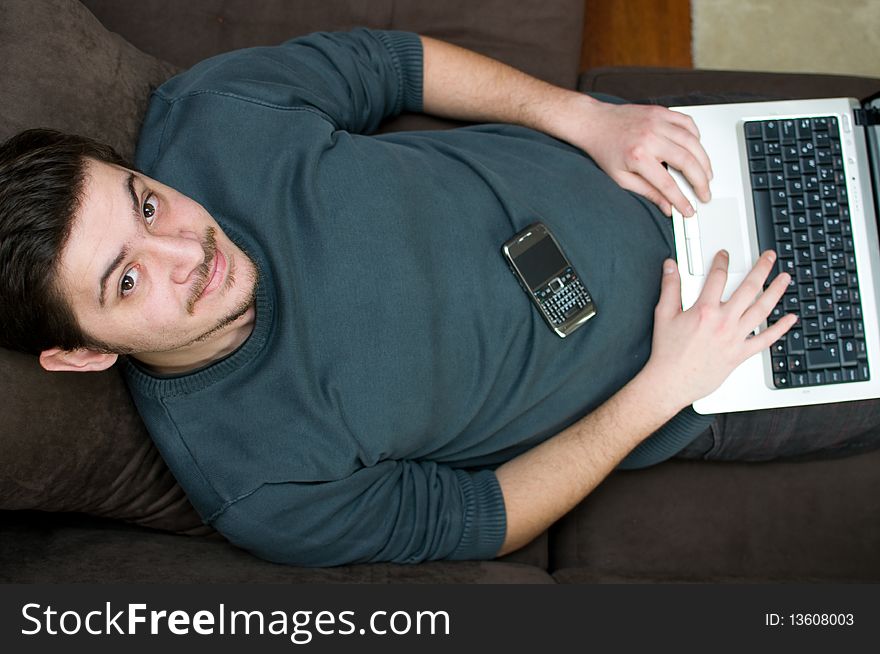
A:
x: 721, y: 229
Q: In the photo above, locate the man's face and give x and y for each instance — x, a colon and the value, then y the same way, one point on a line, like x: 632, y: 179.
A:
x: 146, y: 269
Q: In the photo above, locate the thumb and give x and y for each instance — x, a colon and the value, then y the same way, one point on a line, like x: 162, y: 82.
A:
x: 669, y: 304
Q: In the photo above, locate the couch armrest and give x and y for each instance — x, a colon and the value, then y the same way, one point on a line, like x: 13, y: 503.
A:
x: 636, y: 83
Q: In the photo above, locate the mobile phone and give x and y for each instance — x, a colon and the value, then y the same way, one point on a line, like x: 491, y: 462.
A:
x: 549, y: 279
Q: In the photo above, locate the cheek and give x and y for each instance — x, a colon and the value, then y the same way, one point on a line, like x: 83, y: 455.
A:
x: 189, y: 214
x: 161, y: 306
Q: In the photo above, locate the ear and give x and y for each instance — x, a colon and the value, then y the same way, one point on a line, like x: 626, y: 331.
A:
x: 80, y: 360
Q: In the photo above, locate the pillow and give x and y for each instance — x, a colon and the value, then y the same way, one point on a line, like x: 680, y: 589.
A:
x: 63, y: 70
x: 74, y: 441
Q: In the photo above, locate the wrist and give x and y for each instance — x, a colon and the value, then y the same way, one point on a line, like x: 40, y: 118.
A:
x: 561, y: 113
x: 657, y: 392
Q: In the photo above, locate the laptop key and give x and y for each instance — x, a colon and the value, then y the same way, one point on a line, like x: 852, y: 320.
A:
x: 771, y: 130
x: 787, y: 131
x: 756, y: 149
x: 826, y: 357
x: 764, y: 222
x: 849, y: 352
x: 804, y: 128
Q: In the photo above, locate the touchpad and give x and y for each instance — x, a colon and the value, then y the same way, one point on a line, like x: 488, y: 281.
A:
x: 722, y: 228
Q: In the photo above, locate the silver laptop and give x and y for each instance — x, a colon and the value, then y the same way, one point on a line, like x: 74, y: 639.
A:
x: 799, y: 177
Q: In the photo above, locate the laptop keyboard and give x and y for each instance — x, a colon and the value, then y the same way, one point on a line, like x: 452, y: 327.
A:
x: 802, y: 212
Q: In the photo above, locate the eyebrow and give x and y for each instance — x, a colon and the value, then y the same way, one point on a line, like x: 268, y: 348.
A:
x: 128, y: 187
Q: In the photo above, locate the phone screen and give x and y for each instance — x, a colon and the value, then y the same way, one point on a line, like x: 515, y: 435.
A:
x: 540, y: 262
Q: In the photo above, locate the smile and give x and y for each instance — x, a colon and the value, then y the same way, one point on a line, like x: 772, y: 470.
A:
x: 218, y: 271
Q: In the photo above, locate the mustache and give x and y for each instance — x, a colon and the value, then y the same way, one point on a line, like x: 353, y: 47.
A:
x: 203, y: 272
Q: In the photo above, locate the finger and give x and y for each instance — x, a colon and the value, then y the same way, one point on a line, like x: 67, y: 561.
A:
x: 686, y: 154
x: 669, y: 304
x: 687, y: 124
x: 684, y: 121
x: 653, y: 172
x: 682, y: 159
x: 770, y: 335
x: 636, y: 184
x: 758, y: 312
x: 715, y: 280
x: 753, y: 284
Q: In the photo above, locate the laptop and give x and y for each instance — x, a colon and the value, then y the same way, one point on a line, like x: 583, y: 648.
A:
x: 799, y: 177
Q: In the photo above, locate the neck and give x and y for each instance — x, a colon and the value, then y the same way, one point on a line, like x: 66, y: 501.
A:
x: 203, y: 351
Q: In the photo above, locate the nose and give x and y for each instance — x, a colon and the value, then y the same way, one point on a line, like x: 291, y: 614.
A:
x: 182, y: 253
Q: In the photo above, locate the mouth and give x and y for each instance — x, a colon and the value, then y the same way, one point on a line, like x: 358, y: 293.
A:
x: 210, y: 274
x: 215, y: 277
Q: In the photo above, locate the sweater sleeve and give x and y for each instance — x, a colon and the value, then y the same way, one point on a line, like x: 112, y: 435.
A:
x: 396, y: 511
x: 354, y: 79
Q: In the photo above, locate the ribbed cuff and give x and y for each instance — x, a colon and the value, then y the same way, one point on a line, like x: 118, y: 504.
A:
x: 669, y: 440
x: 406, y: 51
x: 485, y: 520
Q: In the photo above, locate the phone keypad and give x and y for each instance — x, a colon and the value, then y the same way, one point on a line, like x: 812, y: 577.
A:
x: 560, y: 302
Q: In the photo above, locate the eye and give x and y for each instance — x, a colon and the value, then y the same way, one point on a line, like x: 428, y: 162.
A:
x: 149, y: 209
x: 128, y: 282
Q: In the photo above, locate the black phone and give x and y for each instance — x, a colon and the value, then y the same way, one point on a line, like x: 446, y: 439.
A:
x: 549, y: 279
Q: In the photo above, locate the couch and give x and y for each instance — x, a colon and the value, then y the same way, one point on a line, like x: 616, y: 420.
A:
x: 84, y: 495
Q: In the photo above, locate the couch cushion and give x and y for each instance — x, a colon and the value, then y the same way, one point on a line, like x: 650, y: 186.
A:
x: 702, y: 521
x: 37, y: 548
x: 74, y: 442
x: 539, y: 36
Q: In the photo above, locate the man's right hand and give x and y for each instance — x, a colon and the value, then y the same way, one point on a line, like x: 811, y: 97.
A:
x: 694, y: 351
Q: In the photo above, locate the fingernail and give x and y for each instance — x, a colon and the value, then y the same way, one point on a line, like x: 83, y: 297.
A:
x: 668, y: 267
x: 771, y: 256
x: 724, y: 253
x: 689, y: 211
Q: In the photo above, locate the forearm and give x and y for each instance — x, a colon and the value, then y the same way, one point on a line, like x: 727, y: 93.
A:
x: 465, y: 85
x: 629, y: 142
x: 543, y: 484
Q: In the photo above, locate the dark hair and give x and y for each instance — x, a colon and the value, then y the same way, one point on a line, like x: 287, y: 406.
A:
x: 42, y: 175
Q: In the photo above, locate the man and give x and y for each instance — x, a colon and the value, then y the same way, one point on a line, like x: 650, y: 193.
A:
x: 323, y: 339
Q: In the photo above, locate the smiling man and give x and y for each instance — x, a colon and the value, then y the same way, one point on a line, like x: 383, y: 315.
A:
x: 324, y: 341
x: 150, y: 272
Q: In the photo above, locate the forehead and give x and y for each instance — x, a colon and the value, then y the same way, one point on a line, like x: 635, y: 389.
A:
x: 101, y: 179
x: 103, y: 189
x: 101, y: 224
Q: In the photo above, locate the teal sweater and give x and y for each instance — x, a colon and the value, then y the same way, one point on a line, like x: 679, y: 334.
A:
x: 395, y: 362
